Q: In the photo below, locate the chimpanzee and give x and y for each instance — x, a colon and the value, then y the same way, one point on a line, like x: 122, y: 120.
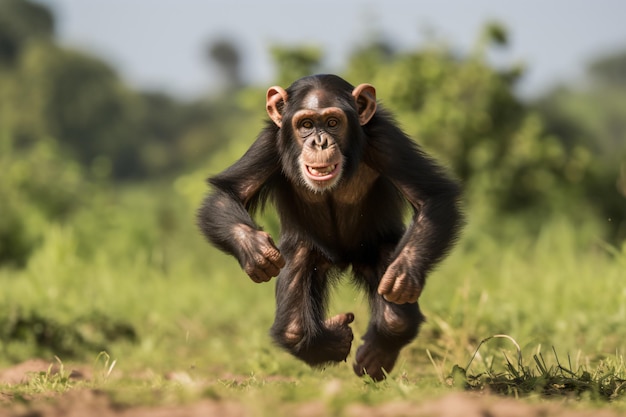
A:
x: 342, y: 175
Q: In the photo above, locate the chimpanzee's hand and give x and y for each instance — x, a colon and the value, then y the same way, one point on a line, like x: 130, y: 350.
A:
x: 259, y: 256
x: 401, y: 283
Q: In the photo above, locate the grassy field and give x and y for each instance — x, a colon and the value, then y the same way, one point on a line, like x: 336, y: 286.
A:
x: 129, y: 292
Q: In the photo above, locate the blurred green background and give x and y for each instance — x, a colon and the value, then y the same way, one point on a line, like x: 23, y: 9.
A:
x: 100, y: 180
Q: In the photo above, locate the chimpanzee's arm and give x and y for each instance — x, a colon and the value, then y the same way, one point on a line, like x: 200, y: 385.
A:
x: 224, y: 215
x: 435, y: 199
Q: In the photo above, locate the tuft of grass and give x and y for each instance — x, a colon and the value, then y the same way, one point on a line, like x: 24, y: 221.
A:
x: 54, y: 379
x: 606, y: 382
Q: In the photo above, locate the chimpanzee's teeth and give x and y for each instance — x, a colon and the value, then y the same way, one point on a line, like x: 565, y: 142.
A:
x: 321, y: 171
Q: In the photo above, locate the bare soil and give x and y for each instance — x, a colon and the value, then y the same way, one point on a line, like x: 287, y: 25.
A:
x: 88, y: 402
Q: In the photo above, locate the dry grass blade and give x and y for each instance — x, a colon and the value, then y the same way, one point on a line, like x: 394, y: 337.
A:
x: 607, y: 382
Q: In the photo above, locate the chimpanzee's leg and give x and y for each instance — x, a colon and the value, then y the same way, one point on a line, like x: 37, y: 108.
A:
x: 391, y: 327
x: 301, y: 295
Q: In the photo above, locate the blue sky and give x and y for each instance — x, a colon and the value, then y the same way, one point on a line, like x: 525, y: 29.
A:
x: 158, y: 44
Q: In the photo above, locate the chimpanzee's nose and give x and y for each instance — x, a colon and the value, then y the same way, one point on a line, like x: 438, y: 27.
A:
x: 321, y: 141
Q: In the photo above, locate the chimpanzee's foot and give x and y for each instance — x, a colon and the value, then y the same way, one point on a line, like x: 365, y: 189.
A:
x: 336, y: 341
x: 375, y: 360
x: 330, y: 343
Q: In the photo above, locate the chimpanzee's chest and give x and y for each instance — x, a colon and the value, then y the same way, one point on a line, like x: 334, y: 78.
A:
x: 358, y: 214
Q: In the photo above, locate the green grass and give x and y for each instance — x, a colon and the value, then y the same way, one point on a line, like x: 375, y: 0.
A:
x: 178, y: 321
x: 606, y: 382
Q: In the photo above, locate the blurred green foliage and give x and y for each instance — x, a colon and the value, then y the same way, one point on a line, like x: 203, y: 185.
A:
x: 38, y: 185
x: 590, y: 121
x: 295, y: 62
x: 50, y: 91
x: 20, y: 22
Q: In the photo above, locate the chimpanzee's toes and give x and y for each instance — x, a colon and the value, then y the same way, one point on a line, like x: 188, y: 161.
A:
x: 339, y: 337
x: 375, y: 361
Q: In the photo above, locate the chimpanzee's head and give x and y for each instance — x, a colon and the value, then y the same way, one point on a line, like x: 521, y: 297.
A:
x: 320, y: 121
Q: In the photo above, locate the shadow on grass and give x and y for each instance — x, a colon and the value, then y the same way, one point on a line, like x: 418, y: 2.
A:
x: 82, y: 336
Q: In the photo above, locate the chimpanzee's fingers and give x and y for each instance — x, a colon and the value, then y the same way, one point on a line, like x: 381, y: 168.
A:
x: 256, y: 271
x: 258, y: 275
x: 405, y: 291
x: 393, y: 298
x: 277, y: 260
x: 255, y: 277
x: 272, y: 270
x: 273, y: 255
x: 280, y: 262
x: 273, y: 265
x: 401, y: 290
x: 413, y: 294
x: 386, y: 284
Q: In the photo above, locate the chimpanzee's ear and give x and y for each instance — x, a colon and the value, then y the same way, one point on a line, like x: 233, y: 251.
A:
x: 365, y: 96
x: 275, y: 102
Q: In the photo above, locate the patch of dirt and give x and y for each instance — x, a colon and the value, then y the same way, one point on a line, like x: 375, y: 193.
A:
x: 88, y: 402
x: 82, y: 403
x: 21, y: 373
x: 471, y: 405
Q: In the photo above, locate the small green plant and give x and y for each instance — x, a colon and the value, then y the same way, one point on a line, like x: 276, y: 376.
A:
x: 54, y: 379
x: 104, y: 362
x: 606, y: 382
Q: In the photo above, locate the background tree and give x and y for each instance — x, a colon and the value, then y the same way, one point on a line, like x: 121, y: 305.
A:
x: 47, y: 91
x: 226, y: 55
x: 38, y: 186
x: 295, y: 62
x: 20, y: 22
x: 590, y: 121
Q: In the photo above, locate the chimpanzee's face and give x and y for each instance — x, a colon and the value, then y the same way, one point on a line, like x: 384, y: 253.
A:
x: 321, y: 131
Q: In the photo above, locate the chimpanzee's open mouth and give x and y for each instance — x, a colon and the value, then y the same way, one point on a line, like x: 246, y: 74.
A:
x: 322, y: 172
